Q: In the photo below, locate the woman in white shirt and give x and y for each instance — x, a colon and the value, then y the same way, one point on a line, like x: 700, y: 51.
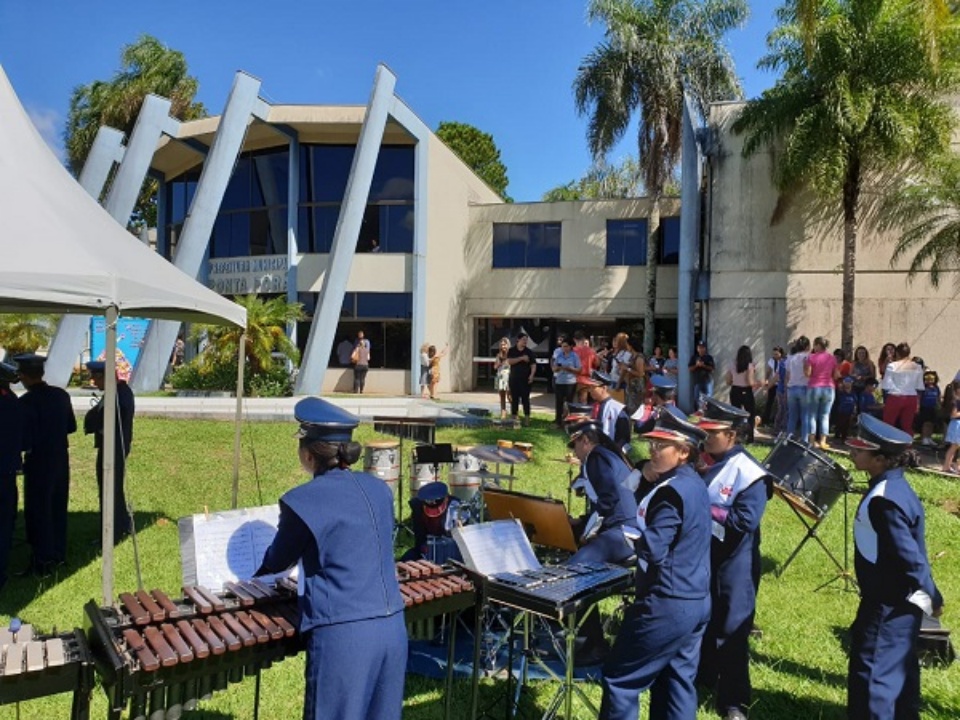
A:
x: 797, y: 421
x: 902, y: 380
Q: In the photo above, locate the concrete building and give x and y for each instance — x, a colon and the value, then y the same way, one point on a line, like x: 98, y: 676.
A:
x: 493, y: 268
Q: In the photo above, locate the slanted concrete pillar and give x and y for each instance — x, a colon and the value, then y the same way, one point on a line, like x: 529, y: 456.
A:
x: 153, y: 121
x: 192, y: 246
x: 691, y: 164
x: 327, y: 315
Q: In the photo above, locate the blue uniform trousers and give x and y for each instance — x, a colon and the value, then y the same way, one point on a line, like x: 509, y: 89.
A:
x: 8, y: 517
x: 658, y: 647
x: 884, y: 675
x: 609, y: 546
x: 355, y: 670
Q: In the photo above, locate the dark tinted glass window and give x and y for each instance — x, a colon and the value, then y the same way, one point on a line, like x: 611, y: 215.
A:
x: 670, y: 240
x: 393, y: 175
x: 626, y: 242
x: 328, y: 171
x: 518, y: 245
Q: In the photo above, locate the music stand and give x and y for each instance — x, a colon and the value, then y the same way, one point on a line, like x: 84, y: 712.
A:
x: 544, y: 521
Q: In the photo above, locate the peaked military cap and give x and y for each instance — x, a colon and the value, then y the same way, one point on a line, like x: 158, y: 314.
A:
x: 601, y: 378
x: 575, y: 430
x: 27, y: 362
x: 672, y: 424
x: 322, y: 420
x: 8, y: 372
x: 97, y: 366
x: 721, y: 416
x: 432, y: 492
x: 874, y: 434
x: 664, y: 386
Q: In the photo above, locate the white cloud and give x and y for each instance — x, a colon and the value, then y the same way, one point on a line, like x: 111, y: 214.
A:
x: 50, y: 126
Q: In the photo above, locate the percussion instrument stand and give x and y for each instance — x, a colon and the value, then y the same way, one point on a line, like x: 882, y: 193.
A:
x: 812, y: 534
x: 849, y: 583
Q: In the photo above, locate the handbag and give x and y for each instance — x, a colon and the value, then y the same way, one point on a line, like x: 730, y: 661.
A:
x: 355, y: 355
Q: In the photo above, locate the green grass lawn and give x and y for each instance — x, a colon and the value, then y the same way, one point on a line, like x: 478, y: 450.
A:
x: 179, y: 468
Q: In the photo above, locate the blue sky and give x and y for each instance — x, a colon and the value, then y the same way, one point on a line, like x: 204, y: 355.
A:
x: 506, y: 66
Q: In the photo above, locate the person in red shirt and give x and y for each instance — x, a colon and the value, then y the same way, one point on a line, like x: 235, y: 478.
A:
x: 588, y: 363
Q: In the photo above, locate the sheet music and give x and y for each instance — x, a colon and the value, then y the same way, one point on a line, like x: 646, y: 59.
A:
x: 227, y: 546
x: 495, y: 547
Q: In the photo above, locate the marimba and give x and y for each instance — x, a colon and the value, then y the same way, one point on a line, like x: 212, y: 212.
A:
x: 34, y: 665
x: 162, y: 656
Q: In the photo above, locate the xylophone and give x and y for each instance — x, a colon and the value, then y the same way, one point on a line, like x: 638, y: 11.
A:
x: 162, y: 656
x: 34, y: 665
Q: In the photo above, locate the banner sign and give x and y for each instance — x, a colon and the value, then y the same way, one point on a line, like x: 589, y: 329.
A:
x: 246, y: 275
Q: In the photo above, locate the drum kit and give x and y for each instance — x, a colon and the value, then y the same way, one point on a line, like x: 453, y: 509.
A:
x: 810, y: 482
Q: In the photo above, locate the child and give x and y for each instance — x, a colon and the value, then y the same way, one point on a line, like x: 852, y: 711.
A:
x: 929, y: 406
x: 952, y: 437
x: 846, y: 407
x: 866, y: 400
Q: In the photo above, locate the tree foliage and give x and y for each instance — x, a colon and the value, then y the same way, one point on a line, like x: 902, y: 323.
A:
x: 25, y: 333
x: 857, y: 101
x: 653, y: 55
x: 479, y: 151
x: 146, y: 66
x: 602, y: 182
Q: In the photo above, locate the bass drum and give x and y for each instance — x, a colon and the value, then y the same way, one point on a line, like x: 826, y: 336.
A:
x: 809, y: 480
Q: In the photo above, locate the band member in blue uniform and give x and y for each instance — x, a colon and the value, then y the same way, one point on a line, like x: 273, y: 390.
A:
x: 11, y: 447
x: 739, y: 489
x: 339, y: 527
x: 610, y: 504
x: 658, y: 646
x: 610, y: 413
x: 896, y: 585
x: 93, y: 424
x: 49, y: 420
x: 433, y: 515
x: 664, y: 393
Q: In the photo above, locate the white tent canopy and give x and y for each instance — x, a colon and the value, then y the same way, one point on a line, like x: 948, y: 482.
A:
x: 61, y: 252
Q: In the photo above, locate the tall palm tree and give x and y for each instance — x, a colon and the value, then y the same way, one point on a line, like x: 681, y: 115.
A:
x: 860, y: 105
x: 654, y: 52
x: 264, y: 335
x: 927, y: 212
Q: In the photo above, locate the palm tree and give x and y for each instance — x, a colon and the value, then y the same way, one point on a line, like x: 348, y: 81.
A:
x: 26, y: 332
x: 863, y: 103
x: 654, y: 53
x: 147, y: 66
x: 264, y: 335
x: 928, y: 214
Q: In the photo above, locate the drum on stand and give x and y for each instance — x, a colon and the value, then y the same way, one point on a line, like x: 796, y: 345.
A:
x: 464, y: 479
x: 382, y: 459
x: 421, y: 474
x: 808, y: 480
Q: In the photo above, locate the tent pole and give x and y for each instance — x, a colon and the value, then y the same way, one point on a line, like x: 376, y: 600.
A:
x: 109, y: 445
x: 241, y: 356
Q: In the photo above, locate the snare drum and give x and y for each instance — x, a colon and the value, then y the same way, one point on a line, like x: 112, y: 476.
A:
x: 382, y: 459
x: 810, y: 481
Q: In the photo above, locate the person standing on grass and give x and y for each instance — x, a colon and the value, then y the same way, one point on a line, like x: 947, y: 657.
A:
x: 820, y: 368
x: 739, y: 489
x: 742, y: 379
x: 893, y: 573
x: 11, y: 447
x: 952, y: 436
x: 523, y: 368
x: 339, y: 527
x: 565, y: 365
x: 588, y: 363
x: 48, y: 421
x: 902, y: 382
x: 701, y: 367
x: 658, y: 645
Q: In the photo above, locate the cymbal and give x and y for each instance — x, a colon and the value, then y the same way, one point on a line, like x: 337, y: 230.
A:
x: 494, y: 454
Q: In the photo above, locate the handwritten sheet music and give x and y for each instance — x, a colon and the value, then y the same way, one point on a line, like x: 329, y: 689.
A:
x: 227, y: 546
x: 495, y: 547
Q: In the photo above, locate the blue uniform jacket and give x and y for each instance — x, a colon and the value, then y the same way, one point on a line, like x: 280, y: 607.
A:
x: 735, y: 560
x: 673, y: 553
x: 899, y: 566
x: 49, y: 419
x: 339, y: 525
x: 11, y: 433
x: 615, y: 502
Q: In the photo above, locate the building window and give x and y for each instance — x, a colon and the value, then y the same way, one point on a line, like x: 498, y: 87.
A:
x: 526, y: 245
x: 626, y: 242
x: 669, y: 241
